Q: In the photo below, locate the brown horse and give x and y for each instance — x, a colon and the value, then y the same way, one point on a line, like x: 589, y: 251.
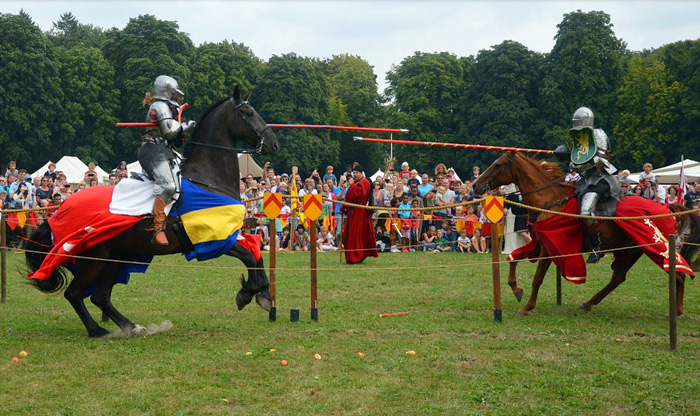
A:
x: 541, y: 185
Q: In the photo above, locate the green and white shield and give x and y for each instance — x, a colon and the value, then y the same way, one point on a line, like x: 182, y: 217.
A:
x: 584, y: 147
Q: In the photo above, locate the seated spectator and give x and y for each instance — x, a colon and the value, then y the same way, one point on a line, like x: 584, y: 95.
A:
x: 301, y: 239
x: 264, y: 232
x: 649, y: 189
x: 449, y: 233
x: 478, y: 242
x: 692, y: 196
x: 4, y: 203
x: 23, y: 198
x: 428, y: 242
x: 660, y: 192
x: 284, y: 242
x: 113, y: 179
x: 463, y: 242
x: 64, y: 190
x: 382, y: 238
x: 81, y: 185
x: 637, y: 190
x: 414, y: 196
x: 441, y: 242
x: 381, y: 197
x: 55, y: 202
x: 326, y: 239
x: 3, y: 185
x: 93, y: 182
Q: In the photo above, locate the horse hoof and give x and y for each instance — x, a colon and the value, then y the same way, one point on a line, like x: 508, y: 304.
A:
x: 585, y: 307
x: 138, y: 330
x: 98, y: 333
x: 263, y: 299
x: 523, y: 312
x: 242, y: 299
x: 519, y: 295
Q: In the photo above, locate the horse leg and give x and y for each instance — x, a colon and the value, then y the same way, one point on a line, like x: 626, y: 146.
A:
x: 542, y: 267
x: 87, y: 271
x: 513, y: 283
x: 102, y: 298
x: 621, y: 265
x: 257, y: 284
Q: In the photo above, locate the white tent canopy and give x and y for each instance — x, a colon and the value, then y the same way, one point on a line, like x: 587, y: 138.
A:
x: 73, y: 168
x: 377, y: 174
x: 671, y: 174
x: 246, y: 164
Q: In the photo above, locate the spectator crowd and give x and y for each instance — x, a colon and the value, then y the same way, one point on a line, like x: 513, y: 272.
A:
x: 436, y: 215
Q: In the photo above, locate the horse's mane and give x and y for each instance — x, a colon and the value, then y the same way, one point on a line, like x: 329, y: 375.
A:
x: 187, y: 151
x: 549, y: 169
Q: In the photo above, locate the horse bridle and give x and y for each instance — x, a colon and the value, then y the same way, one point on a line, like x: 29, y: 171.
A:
x: 247, y: 120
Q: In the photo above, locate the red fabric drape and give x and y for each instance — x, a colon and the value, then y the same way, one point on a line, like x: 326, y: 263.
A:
x: 650, y: 231
x: 562, y: 236
x: 358, y: 233
x: 82, y: 221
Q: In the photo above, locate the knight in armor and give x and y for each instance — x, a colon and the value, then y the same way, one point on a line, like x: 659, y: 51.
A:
x: 597, y: 191
x: 156, y: 155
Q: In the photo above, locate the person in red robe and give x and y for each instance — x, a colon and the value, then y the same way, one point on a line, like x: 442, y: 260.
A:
x: 358, y: 234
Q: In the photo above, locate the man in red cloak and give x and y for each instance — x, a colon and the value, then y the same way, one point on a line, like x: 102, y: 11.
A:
x: 358, y: 234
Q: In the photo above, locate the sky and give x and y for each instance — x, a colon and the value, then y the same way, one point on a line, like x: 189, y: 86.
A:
x: 381, y: 32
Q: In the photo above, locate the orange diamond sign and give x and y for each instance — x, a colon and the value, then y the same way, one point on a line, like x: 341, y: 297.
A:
x: 272, y: 205
x: 493, y: 208
x: 313, y: 206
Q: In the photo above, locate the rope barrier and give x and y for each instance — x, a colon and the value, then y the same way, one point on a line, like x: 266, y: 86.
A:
x: 336, y: 269
x: 596, y: 217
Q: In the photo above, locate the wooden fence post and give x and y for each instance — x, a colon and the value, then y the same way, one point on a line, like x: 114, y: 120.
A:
x: 672, y: 291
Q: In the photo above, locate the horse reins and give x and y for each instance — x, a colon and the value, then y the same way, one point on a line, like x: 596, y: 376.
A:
x: 258, y: 133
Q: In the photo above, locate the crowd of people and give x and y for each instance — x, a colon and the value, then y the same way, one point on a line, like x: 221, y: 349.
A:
x: 444, y: 224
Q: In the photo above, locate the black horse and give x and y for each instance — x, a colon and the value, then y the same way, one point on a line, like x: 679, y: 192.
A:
x: 211, y: 162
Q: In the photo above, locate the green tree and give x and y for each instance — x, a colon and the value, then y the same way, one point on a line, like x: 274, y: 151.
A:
x: 585, y: 64
x: 217, y: 68
x: 87, y: 126
x: 426, y: 89
x: 69, y: 33
x: 356, y: 102
x: 30, y: 93
x: 501, y: 105
x: 294, y: 89
x: 648, y: 101
x: 145, y: 48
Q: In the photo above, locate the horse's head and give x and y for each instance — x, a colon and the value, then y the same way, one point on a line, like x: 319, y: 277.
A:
x: 247, y: 125
x: 499, y: 173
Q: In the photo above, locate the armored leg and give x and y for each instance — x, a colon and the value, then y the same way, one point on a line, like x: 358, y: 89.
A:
x: 588, y: 203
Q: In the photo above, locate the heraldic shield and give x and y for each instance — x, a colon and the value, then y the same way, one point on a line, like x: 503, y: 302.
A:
x: 584, y: 146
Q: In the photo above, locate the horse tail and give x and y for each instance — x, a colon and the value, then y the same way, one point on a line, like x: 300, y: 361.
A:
x: 691, y: 222
x: 37, y: 247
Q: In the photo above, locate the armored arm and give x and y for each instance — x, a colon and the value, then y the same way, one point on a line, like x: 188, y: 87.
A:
x: 168, y: 128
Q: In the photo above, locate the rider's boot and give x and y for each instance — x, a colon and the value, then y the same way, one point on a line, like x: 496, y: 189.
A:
x: 594, y: 241
x: 159, y: 236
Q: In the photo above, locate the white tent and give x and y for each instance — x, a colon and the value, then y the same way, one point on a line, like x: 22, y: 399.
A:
x: 456, y: 176
x: 377, y: 174
x: 74, y: 169
x: 671, y: 174
x: 246, y: 164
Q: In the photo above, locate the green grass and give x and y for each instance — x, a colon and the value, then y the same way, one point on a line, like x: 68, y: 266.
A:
x: 613, y: 360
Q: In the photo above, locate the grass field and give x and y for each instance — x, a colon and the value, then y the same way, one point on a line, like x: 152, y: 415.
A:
x: 613, y: 360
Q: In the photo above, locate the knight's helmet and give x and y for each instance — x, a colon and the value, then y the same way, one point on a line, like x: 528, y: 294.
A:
x: 583, y: 118
x: 166, y: 88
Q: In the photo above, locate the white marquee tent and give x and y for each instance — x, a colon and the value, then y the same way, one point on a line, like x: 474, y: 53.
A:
x: 669, y: 175
x: 74, y: 169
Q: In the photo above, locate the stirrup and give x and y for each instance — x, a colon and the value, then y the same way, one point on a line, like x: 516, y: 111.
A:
x: 155, y: 233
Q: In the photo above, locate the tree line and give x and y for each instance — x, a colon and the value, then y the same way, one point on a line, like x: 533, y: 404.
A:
x: 62, y: 91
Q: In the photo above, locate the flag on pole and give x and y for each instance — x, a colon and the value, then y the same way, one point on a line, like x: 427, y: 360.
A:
x: 682, y: 186
x: 296, y: 206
